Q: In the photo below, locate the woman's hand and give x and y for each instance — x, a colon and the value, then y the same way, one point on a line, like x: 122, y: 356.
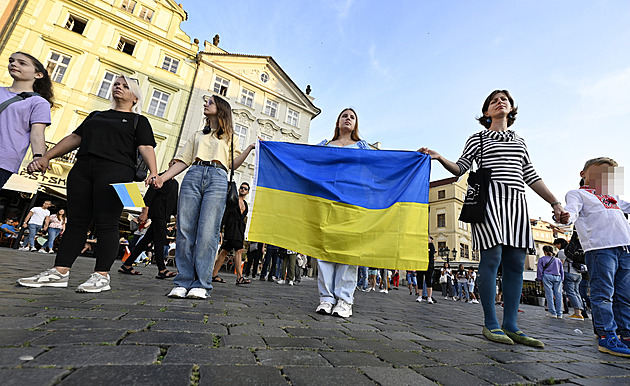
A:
x: 561, y: 215
x: 151, y: 179
x: 434, y: 154
x: 40, y: 164
x: 158, y: 182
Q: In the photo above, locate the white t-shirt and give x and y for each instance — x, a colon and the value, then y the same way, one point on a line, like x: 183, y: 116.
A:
x: 472, y: 278
x: 39, y: 215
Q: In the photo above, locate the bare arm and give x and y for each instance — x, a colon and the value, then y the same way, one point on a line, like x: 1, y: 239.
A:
x: 541, y: 189
x: 38, y: 141
x: 452, y: 167
x: 238, y: 161
x: 64, y: 146
x: 172, y: 171
x: 148, y: 154
x: 28, y: 217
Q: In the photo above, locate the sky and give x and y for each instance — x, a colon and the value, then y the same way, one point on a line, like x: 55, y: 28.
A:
x: 417, y: 72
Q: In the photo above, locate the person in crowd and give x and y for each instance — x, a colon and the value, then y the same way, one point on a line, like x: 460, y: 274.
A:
x: 372, y: 273
x: 161, y: 204
x: 446, y: 281
x: 202, y: 197
x: 385, y: 276
x: 35, y: 221
x: 551, y: 274
x: 108, y: 143
x: 287, y: 275
x: 598, y: 215
x: 572, y: 280
x: 254, y: 252
x: 395, y: 280
x: 8, y: 229
x: 427, y: 276
x: 472, y: 278
x: 24, y: 121
x: 300, y: 267
x: 337, y: 282
x: 234, y: 221
x: 270, y: 261
x: 412, y: 283
x: 56, y: 225
x: 505, y: 235
x: 362, y: 281
x: 461, y: 279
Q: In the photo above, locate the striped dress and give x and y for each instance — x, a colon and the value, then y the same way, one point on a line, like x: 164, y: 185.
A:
x: 507, y: 219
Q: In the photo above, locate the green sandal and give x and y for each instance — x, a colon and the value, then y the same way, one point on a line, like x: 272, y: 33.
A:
x: 499, y: 338
x: 520, y: 337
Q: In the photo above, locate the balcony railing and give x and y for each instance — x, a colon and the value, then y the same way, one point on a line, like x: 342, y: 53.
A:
x: 69, y: 158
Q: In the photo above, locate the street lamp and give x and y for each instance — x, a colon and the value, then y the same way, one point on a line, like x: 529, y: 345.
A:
x: 444, y: 252
x: 454, y: 253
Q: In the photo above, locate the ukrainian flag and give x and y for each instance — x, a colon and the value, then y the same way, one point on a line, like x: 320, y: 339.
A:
x: 348, y: 206
x: 129, y: 194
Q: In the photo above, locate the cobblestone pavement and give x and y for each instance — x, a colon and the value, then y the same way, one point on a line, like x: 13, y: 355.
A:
x: 268, y: 334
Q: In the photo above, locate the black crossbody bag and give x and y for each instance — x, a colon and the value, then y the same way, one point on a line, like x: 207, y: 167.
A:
x: 474, y: 208
x: 232, y: 193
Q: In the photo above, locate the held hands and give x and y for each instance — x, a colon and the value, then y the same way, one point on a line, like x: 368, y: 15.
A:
x: 151, y: 179
x: 142, y: 218
x: 158, y: 182
x: 40, y: 164
x: 434, y: 154
x: 560, y: 215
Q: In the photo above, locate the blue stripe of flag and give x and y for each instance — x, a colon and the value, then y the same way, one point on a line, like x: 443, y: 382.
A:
x: 121, y: 190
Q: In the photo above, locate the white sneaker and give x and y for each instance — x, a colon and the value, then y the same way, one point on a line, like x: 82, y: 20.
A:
x: 51, y: 251
x: 280, y: 281
x: 33, y: 249
x: 342, y: 309
x: 474, y: 301
x: 177, y: 292
x: 384, y: 291
x: 429, y: 300
x: 419, y: 299
x: 96, y: 283
x: 445, y: 297
x: 23, y: 249
x: 290, y: 282
x: 49, y: 278
x: 42, y: 251
x: 197, y: 293
x: 324, y: 308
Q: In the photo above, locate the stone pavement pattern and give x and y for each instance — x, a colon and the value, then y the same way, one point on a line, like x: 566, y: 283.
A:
x: 268, y: 334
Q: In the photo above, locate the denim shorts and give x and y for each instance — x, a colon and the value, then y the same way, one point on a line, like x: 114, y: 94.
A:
x: 373, y: 272
x: 411, y: 278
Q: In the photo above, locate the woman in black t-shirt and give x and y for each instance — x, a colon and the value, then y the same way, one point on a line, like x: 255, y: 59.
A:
x: 107, y: 142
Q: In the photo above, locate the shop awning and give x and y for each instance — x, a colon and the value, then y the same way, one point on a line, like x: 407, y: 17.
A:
x: 55, y: 191
x: 21, y: 184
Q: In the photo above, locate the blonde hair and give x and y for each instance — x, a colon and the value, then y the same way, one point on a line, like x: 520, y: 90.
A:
x: 600, y: 161
x: 134, y: 87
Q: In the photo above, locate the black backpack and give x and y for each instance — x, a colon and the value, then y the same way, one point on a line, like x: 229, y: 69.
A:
x: 575, y: 253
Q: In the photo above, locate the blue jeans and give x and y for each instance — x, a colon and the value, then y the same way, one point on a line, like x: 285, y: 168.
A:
x: 362, y: 282
x: 610, y: 289
x: 513, y: 261
x: 270, y: 262
x: 585, y: 287
x: 552, y: 284
x: 572, y: 288
x: 336, y: 281
x: 53, y: 233
x: 200, y: 209
x: 33, y: 229
x: 463, y: 291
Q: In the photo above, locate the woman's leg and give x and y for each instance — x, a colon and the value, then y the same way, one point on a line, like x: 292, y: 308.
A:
x: 571, y: 287
x: 548, y: 285
x: 140, y: 247
x: 291, y: 267
x: 443, y: 289
x: 513, y: 264
x: 52, y: 236
x: 557, y: 295
x: 159, y: 241
x: 188, y: 209
x: 326, y: 281
x: 488, y: 266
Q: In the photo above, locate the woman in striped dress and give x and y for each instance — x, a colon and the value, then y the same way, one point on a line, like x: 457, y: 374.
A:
x: 505, y: 235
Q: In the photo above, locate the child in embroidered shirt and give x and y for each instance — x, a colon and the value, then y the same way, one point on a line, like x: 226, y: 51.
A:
x: 605, y: 237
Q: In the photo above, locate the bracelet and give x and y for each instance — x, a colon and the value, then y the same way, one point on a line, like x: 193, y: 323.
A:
x: 555, y: 203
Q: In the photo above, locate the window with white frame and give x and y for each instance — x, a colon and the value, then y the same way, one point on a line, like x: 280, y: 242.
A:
x: 221, y: 86
x: 293, y: 117
x: 145, y: 14
x: 247, y: 97
x: 271, y: 108
x: 241, y: 134
x: 170, y: 64
x: 126, y: 45
x: 265, y: 137
x: 76, y: 24
x: 104, y: 91
x: 159, y: 101
x: 57, y: 65
x: 463, y: 225
x: 128, y: 5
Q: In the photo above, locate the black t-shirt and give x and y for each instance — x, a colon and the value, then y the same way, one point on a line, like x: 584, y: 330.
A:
x: 110, y: 135
x: 431, y: 253
x: 162, y: 202
x: 233, y: 222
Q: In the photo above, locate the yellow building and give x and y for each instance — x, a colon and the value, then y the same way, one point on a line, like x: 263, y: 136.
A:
x: 544, y: 234
x: 84, y: 44
x: 446, y: 198
x: 265, y: 101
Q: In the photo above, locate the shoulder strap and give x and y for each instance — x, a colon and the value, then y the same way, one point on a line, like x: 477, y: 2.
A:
x: 548, y: 264
x: 480, y: 149
x: 19, y: 97
x: 232, y: 158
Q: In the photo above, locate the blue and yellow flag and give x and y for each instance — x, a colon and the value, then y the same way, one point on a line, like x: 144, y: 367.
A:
x: 348, y: 206
x: 129, y: 194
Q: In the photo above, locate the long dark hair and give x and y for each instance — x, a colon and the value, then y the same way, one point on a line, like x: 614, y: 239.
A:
x: 224, y: 116
x: 43, y: 86
x: 61, y: 217
x: 355, y: 133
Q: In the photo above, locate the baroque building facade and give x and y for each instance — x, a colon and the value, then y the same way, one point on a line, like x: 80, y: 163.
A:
x: 85, y: 44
